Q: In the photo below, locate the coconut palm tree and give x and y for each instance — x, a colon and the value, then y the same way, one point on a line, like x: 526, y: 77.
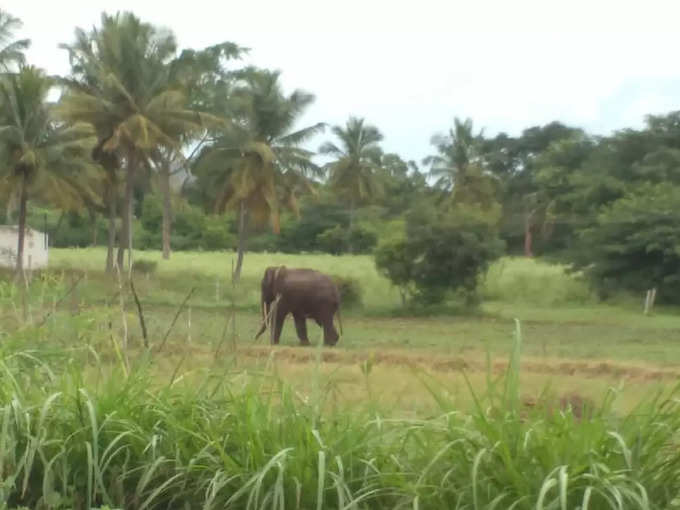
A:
x: 85, y: 78
x: 355, y: 173
x: 458, y: 151
x: 201, y: 74
x: 259, y: 158
x: 120, y: 84
x: 460, y: 168
x: 11, y: 51
x: 44, y: 156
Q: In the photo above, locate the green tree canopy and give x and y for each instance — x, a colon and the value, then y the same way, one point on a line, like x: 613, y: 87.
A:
x: 11, y: 50
x: 440, y: 251
x: 43, y: 157
x: 634, y: 244
x: 258, y: 162
x: 121, y: 85
x: 355, y: 172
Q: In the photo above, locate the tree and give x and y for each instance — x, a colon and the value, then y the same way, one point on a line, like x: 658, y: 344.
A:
x: 557, y: 197
x: 11, y: 51
x: 250, y: 164
x: 457, y: 152
x: 355, y: 173
x: 441, y: 250
x: 120, y: 85
x: 200, y: 74
x: 515, y: 162
x: 45, y: 157
x: 402, y: 183
x: 634, y: 242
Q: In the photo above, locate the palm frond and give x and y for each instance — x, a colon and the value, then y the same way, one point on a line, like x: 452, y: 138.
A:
x: 11, y: 51
x: 302, y: 135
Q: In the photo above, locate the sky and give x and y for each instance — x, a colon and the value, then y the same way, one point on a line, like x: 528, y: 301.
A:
x: 409, y: 68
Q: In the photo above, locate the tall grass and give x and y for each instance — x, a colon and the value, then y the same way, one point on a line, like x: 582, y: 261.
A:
x: 515, y: 279
x: 71, y: 439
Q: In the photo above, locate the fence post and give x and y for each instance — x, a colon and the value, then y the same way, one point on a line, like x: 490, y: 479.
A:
x: 189, y: 325
x: 650, y: 297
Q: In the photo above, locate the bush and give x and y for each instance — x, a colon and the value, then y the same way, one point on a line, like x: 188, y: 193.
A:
x: 144, y: 266
x: 350, y: 291
x: 393, y: 262
x: 216, y: 234
x: 338, y: 240
x: 187, y: 227
x: 441, y: 251
x: 143, y: 239
x: 316, y: 218
x: 333, y: 240
x: 362, y: 240
x: 264, y: 242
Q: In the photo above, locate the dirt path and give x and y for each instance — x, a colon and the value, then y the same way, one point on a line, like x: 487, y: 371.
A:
x: 413, y: 358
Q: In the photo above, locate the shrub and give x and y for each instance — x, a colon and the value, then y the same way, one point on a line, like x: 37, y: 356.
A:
x: 350, y: 291
x: 442, y: 251
x: 339, y: 240
x: 187, y: 227
x: 316, y: 218
x: 144, y: 266
x: 362, y: 240
x: 216, y: 234
x: 333, y: 240
x: 391, y: 259
x: 265, y: 241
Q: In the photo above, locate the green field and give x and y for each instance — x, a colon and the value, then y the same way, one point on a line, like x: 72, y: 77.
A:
x: 561, y: 320
x: 413, y: 408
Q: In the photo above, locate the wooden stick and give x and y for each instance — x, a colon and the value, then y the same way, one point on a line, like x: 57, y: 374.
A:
x: 189, y: 326
x: 140, y: 314
x: 179, y: 311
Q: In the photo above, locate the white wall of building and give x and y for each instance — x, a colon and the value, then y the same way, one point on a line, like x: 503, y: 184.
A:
x: 35, y: 247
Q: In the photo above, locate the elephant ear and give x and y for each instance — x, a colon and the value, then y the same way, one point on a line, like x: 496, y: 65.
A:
x: 268, y: 280
x: 279, y: 274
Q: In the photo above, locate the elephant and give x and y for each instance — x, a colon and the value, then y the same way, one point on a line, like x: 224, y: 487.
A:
x: 305, y: 293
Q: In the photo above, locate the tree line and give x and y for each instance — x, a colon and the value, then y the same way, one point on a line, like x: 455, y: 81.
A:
x: 154, y: 146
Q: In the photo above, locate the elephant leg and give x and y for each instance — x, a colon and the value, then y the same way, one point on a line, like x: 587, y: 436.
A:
x: 330, y: 334
x: 281, y: 313
x: 301, y: 327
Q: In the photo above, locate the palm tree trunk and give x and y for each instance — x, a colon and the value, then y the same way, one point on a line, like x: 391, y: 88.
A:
x: 242, y: 226
x: 528, y: 235
x: 21, y: 234
x: 58, y: 226
x: 93, y: 225
x: 112, y: 229
x: 120, y: 256
x: 129, y: 203
x: 125, y: 241
x: 350, y: 248
x: 167, y: 209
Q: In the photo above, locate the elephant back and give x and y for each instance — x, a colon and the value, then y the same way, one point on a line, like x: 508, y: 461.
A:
x: 310, y: 285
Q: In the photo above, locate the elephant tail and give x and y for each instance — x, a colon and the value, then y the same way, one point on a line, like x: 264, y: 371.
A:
x: 340, y: 321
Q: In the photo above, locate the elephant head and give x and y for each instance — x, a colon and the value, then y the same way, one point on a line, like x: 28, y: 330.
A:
x: 271, y: 288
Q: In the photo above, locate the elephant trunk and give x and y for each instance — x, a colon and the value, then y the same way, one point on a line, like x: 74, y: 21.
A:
x: 265, y: 314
